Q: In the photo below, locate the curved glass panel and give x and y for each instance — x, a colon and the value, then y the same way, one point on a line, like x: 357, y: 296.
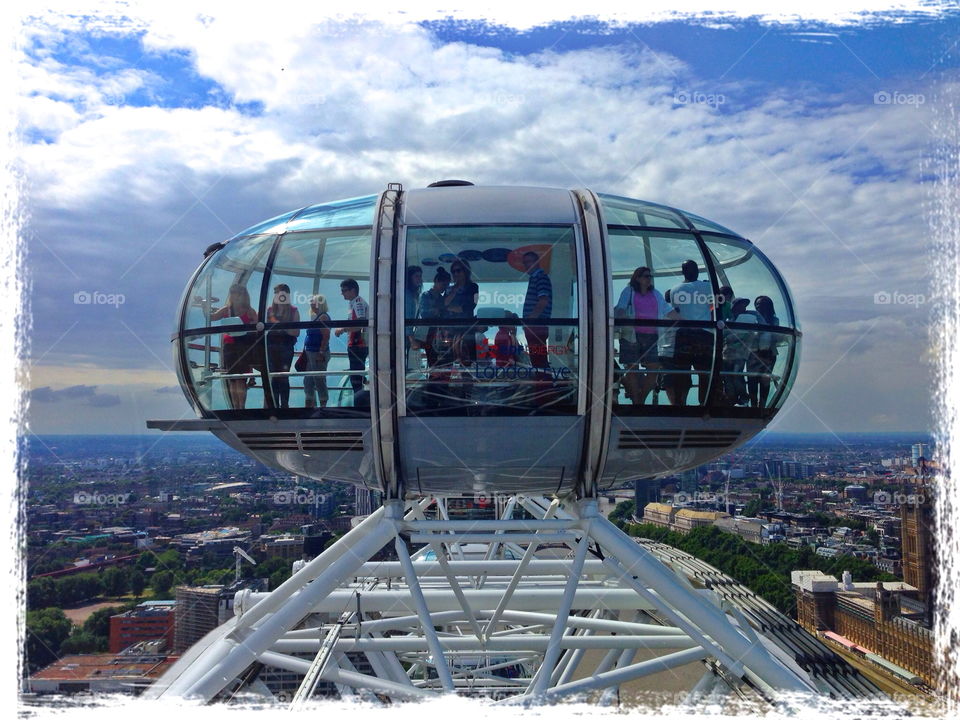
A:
x: 225, y: 376
x: 701, y: 223
x: 665, y: 366
x: 306, y: 280
x: 240, y: 263
x: 494, y: 326
x: 792, y: 354
x: 627, y: 211
x: 342, y: 213
x: 653, y: 262
x: 273, y: 225
x: 755, y: 366
x: 744, y: 269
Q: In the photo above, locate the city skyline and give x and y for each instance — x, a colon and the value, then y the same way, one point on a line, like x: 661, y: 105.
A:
x: 148, y: 137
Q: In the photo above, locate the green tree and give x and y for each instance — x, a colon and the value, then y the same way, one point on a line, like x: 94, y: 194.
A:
x: 41, y: 593
x: 162, y: 581
x: 279, y: 577
x: 169, y: 560
x: 622, y: 513
x: 46, y: 631
x: 98, y: 624
x: 116, y: 581
x: 82, y: 642
x: 138, y: 582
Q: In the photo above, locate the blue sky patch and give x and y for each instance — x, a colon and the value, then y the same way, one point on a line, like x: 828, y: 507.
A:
x: 172, y: 82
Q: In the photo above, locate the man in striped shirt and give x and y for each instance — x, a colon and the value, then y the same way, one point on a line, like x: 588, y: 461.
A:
x: 357, y: 349
x: 537, y: 305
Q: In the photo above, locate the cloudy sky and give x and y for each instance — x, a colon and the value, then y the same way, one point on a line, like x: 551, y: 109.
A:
x: 147, y: 136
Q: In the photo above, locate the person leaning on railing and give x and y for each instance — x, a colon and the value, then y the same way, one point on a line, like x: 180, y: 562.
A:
x: 237, y: 348
x: 317, y: 348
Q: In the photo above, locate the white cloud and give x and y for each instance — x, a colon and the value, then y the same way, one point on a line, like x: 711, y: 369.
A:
x: 830, y: 190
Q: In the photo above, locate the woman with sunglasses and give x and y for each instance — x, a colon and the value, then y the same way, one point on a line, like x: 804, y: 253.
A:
x: 461, y: 300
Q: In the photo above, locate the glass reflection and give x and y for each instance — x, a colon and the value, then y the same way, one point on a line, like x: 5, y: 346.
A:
x: 496, y: 329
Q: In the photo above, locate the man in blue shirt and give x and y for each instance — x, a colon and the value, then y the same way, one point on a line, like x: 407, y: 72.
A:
x: 537, y: 305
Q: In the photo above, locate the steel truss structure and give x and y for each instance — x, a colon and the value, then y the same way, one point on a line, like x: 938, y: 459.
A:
x: 555, y: 587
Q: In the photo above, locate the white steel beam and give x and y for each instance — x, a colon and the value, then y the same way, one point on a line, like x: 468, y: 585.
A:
x: 638, y: 561
x: 424, y: 612
x: 419, y: 643
x: 619, y: 676
x: 517, y: 574
x: 542, y: 678
x: 244, y: 644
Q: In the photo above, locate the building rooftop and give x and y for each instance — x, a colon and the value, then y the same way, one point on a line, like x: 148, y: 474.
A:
x: 708, y: 515
x: 659, y: 507
x: 82, y: 668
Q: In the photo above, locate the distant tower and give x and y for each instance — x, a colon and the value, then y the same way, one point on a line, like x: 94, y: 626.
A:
x: 645, y: 491
x: 919, y: 561
x: 918, y: 451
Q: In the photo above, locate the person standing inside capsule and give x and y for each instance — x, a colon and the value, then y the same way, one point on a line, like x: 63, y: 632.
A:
x: 280, y: 343
x: 693, y: 347
x: 317, y: 348
x: 237, y: 348
x: 461, y: 300
x: 640, y: 300
x: 411, y: 303
x: 763, y: 355
x: 431, y: 307
x: 537, y: 306
x: 357, y: 349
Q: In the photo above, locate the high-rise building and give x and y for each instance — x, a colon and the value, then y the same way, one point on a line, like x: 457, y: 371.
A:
x: 645, y: 490
x: 197, y: 613
x: 917, y: 451
x: 201, y: 609
x: 366, y: 501
x: 772, y: 468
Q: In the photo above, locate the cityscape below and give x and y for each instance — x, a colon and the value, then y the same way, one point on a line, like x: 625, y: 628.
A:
x: 137, y: 546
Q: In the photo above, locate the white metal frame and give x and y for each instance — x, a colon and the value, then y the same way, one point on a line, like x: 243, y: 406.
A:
x: 429, y: 624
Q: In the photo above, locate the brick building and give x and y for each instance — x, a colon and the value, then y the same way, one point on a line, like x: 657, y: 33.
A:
x: 917, y: 537
x: 150, y: 620
x: 876, y: 616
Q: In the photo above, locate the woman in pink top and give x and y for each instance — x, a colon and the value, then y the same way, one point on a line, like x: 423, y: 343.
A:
x: 638, y: 343
x: 237, y: 352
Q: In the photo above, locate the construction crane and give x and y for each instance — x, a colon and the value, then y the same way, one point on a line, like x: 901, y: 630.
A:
x: 239, y: 552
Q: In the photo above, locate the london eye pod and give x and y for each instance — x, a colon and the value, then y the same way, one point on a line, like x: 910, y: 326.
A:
x: 561, y: 341
x: 536, y: 369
